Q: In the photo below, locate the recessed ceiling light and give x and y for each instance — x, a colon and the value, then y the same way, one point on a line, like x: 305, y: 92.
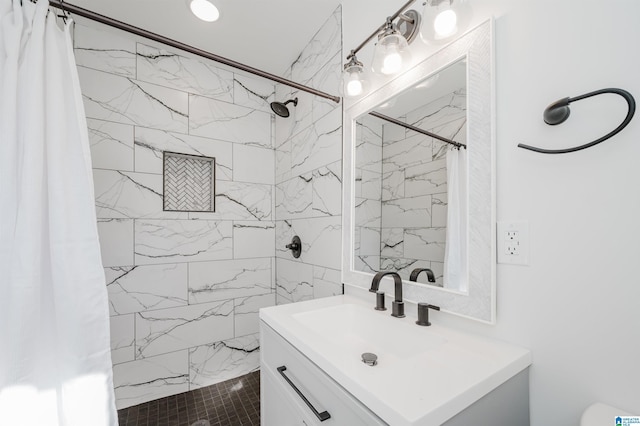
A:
x: 204, y: 10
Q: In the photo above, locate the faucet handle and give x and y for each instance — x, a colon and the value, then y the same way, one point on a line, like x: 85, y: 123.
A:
x: 423, y: 313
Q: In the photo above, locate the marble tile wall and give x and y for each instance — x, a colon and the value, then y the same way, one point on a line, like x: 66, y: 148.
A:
x: 368, y: 194
x: 308, y: 172
x: 185, y: 288
x: 414, y: 187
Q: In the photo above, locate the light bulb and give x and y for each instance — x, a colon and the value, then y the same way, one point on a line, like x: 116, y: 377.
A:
x: 204, y: 10
x: 354, y: 87
x: 353, y: 81
x: 445, y: 23
x: 392, y: 62
x: 391, y: 53
x: 443, y: 19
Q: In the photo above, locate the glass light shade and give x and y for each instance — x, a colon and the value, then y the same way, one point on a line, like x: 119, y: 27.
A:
x: 204, y: 10
x: 391, y: 54
x: 442, y: 20
x: 354, y: 83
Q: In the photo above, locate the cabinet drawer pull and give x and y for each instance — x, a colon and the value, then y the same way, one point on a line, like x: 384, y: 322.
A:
x: 321, y: 416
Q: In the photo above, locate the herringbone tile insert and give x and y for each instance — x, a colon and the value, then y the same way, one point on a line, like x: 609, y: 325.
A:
x: 188, y: 183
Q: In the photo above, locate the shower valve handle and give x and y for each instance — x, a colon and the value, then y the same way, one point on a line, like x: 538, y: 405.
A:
x: 295, y: 246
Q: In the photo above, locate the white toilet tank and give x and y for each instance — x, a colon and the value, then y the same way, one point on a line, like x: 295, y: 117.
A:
x: 600, y: 414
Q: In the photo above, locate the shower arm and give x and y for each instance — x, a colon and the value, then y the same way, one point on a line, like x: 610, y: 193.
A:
x: 85, y: 13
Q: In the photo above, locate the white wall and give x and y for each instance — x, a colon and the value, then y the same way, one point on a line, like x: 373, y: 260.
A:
x: 576, y: 305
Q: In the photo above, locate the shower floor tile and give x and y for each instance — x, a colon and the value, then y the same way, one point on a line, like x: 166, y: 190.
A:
x: 230, y: 403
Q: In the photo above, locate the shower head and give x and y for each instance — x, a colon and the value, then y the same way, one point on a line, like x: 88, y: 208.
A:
x: 281, y: 108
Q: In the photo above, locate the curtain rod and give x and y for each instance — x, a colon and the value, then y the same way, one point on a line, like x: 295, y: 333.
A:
x: 85, y: 13
x: 417, y: 129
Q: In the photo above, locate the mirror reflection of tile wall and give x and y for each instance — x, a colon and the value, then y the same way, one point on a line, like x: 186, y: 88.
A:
x: 368, y: 194
x: 401, y: 188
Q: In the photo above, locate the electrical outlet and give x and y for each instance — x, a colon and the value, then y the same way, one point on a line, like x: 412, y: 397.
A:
x: 513, y: 243
x: 512, y: 248
x: 511, y: 235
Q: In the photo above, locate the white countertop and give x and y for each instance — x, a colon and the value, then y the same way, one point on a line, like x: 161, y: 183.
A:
x: 424, y: 376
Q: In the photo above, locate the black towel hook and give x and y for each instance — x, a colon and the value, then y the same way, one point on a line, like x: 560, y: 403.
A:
x: 558, y: 112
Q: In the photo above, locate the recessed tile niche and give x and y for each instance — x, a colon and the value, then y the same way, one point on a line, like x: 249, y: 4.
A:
x: 189, y: 182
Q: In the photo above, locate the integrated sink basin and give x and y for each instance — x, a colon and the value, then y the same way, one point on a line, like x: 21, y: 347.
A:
x: 358, y: 329
x: 424, y: 375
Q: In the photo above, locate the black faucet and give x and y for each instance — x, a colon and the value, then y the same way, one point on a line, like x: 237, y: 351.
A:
x: 430, y: 277
x: 397, y: 309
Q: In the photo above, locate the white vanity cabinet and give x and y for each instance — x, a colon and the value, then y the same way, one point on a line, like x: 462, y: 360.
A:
x: 283, y: 390
x: 278, y: 406
x: 425, y: 376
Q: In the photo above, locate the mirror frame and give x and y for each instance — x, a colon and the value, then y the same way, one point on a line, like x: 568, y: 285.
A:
x: 479, y: 303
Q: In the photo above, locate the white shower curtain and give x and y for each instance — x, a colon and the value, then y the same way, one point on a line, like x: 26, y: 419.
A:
x: 55, y: 362
x: 455, y: 255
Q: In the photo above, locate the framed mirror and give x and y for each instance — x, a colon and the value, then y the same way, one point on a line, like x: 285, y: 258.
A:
x: 419, y: 180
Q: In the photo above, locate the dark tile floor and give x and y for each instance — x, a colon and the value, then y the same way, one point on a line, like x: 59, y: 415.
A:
x: 232, y: 403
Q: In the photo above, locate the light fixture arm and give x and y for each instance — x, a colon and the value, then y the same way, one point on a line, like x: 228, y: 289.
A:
x: 352, y: 61
x: 381, y: 28
x: 406, y: 18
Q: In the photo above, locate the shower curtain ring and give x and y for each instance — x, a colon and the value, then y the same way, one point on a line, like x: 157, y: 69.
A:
x: 65, y: 14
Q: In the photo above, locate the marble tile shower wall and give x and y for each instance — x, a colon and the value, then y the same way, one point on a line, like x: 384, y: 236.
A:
x: 309, y: 172
x: 368, y: 194
x: 414, y: 187
x: 184, y: 288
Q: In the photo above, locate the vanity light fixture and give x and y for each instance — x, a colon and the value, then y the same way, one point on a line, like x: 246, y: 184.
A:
x: 353, y: 80
x: 391, y: 53
x: 204, y: 9
x: 443, y: 19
